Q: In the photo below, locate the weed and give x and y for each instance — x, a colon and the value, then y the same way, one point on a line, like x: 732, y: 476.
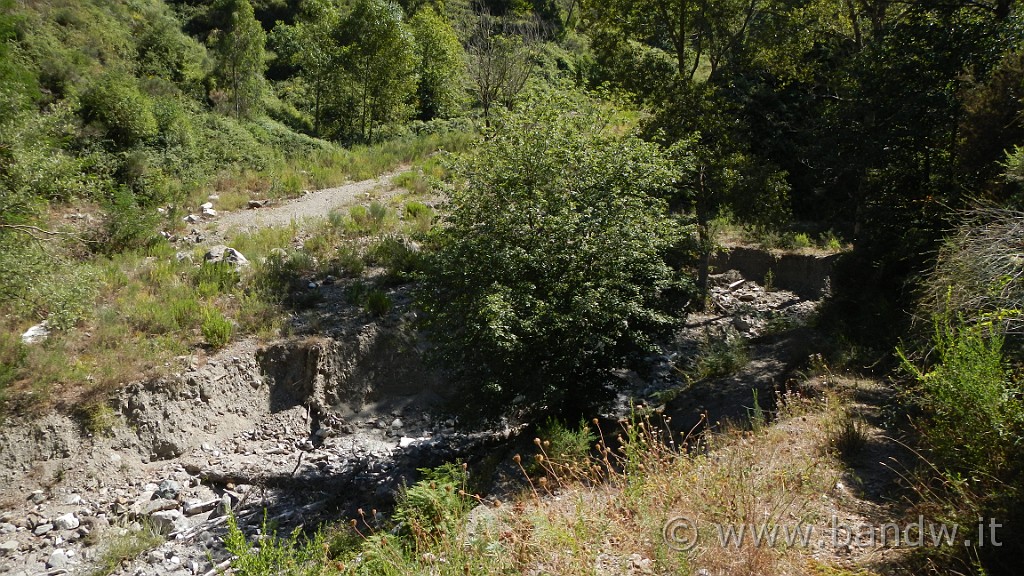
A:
x: 126, y: 546
x: 349, y: 261
x: 216, y: 328
x: 757, y: 415
x: 272, y: 555
x: 378, y: 303
x: 401, y: 260
x: 719, y: 353
x: 848, y: 436
x: 356, y: 293
x: 99, y: 419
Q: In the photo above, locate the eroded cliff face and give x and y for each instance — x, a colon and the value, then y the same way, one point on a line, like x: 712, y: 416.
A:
x: 302, y: 419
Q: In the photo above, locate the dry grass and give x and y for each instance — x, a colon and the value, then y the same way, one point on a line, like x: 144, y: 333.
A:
x: 621, y: 511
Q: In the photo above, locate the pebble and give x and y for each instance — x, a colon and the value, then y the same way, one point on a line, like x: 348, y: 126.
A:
x: 8, y: 548
x: 43, y: 529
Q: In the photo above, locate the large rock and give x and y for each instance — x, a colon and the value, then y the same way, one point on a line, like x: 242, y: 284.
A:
x: 168, y: 521
x: 168, y: 489
x: 66, y: 522
x: 9, y: 548
x: 57, y: 560
x: 35, y: 334
x: 222, y: 253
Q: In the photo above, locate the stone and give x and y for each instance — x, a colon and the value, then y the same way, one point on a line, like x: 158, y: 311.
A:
x: 167, y: 522
x: 43, y: 529
x: 168, y: 489
x: 155, y: 557
x: 191, y: 218
x: 58, y: 559
x: 8, y: 528
x: 36, y: 334
x: 207, y: 205
x: 253, y: 204
x: 167, y: 449
x: 8, y: 548
x: 66, y: 522
x: 199, y: 507
x: 209, y: 212
x: 158, y: 505
x: 396, y: 424
x: 222, y: 253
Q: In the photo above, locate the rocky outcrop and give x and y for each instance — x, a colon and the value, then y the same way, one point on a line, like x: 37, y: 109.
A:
x: 806, y: 275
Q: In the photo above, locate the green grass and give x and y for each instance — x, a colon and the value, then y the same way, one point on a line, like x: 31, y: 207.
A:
x: 127, y: 546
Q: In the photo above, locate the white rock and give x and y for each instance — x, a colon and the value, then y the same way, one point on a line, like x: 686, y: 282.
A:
x: 405, y: 442
x: 8, y: 548
x: 58, y: 559
x: 37, y: 333
x: 207, y: 206
x: 209, y: 212
x: 396, y: 424
x: 66, y: 522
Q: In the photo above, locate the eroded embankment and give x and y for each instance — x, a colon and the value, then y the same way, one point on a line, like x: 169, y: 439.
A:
x: 303, y: 427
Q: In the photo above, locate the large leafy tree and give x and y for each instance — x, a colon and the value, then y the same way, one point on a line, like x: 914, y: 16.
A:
x: 549, y: 272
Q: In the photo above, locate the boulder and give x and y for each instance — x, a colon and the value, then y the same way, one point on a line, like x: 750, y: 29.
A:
x: 222, y: 253
x: 37, y: 333
x: 66, y: 522
x: 167, y: 522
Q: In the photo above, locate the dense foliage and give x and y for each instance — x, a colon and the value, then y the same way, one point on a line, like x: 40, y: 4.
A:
x: 550, y: 270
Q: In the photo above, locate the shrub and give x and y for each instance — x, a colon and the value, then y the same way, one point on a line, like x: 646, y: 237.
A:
x: 435, y: 506
x: 974, y: 415
x: 565, y: 448
x: 401, y: 260
x: 378, y: 303
x: 216, y: 328
x: 212, y: 278
x: 115, y: 101
x: 549, y: 272
x: 127, y: 224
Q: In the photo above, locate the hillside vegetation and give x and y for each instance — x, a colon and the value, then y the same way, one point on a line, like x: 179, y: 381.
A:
x: 567, y: 167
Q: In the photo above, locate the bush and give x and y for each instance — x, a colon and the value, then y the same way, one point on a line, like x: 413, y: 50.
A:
x: 378, y: 303
x: 127, y: 225
x: 115, y: 102
x: 401, y: 261
x: 216, y: 328
x: 974, y: 415
x: 564, y: 448
x: 435, y: 506
x: 550, y: 272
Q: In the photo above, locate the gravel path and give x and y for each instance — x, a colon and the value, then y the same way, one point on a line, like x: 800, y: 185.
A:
x: 312, y: 205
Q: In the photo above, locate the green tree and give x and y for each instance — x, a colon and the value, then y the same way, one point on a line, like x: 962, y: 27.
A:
x: 378, y: 63
x: 440, y: 65
x: 550, y: 272
x: 241, y: 57
x: 317, y: 54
